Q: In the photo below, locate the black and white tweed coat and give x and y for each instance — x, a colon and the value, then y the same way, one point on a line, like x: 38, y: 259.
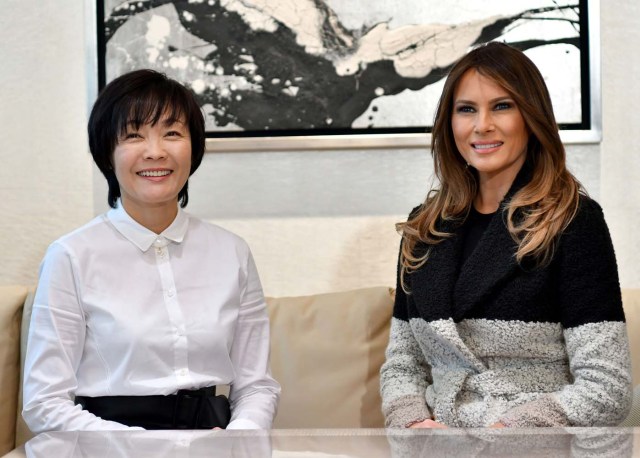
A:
x: 494, y: 341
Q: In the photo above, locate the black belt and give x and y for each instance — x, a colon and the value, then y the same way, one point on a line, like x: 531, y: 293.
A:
x: 187, y: 409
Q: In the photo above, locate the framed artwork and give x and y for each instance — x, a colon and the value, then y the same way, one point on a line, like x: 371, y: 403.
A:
x: 314, y: 74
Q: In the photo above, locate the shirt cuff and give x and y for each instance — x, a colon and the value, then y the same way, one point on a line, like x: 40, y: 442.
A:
x: 243, y: 423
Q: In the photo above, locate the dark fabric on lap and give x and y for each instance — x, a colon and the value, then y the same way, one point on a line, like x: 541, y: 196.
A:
x: 188, y: 409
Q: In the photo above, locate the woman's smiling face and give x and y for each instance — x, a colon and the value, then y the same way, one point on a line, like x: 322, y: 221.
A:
x: 488, y: 128
x: 152, y: 164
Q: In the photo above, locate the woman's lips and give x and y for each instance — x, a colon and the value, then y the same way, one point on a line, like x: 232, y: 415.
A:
x: 486, y: 147
x: 154, y: 173
x: 157, y: 175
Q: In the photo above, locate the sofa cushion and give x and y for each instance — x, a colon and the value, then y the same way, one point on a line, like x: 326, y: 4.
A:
x: 11, y: 301
x: 326, y: 352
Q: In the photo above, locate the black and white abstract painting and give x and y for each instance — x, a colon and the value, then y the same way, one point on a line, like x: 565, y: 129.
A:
x: 312, y: 67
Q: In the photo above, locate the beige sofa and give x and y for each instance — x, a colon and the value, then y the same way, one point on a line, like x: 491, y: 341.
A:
x: 326, y: 351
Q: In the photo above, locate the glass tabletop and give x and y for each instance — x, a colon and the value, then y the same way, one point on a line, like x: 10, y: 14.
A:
x: 342, y: 443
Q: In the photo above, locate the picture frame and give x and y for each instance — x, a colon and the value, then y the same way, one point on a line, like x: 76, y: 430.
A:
x: 273, y: 79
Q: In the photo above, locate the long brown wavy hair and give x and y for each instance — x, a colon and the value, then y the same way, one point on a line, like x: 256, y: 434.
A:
x: 536, y: 214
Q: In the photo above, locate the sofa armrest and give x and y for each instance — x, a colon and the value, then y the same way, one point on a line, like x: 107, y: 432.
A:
x: 23, y: 434
x: 11, y: 302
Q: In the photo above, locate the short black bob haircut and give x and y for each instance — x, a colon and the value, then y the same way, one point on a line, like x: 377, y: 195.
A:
x: 137, y: 98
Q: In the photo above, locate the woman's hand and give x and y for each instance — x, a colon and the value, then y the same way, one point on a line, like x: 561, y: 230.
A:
x: 428, y: 423
x: 497, y: 425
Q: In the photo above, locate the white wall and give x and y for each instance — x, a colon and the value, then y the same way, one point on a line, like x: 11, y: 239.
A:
x: 316, y: 221
x: 620, y: 158
x: 45, y: 170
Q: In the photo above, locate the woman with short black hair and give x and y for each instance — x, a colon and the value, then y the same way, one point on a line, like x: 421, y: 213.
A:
x: 142, y: 312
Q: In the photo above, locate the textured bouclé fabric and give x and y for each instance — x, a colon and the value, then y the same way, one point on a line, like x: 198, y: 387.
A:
x: 494, y: 341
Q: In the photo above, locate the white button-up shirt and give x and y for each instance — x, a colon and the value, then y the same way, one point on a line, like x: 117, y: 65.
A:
x: 122, y: 311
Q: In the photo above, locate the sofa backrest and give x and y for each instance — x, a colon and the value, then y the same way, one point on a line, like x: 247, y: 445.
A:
x: 326, y: 352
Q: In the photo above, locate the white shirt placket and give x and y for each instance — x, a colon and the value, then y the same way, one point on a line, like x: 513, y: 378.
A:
x: 174, y: 311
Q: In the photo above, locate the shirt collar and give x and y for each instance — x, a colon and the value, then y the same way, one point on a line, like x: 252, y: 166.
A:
x: 142, y: 237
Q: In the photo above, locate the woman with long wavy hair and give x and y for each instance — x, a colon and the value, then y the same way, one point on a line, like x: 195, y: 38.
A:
x: 508, y: 309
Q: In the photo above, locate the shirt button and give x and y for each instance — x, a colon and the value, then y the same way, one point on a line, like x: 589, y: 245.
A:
x: 183, y: 372
x: 170, y: 293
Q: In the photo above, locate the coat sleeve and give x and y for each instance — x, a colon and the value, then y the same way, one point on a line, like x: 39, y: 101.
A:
x: 594, y: 331
x: 405, y: 375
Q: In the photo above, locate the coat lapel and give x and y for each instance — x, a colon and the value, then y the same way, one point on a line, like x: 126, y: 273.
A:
x: 490, y: 263
x: 434, y: 298
x: 435, y: 281
x: 493, y: 260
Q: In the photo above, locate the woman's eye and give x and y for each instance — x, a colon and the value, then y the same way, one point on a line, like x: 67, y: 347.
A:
x: 465, y: 109
x: 130, y: 135
x: 503, y: 106
x: 173, y: 133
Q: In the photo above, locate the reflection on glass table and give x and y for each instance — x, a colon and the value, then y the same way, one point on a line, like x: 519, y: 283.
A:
x: 348, y: 443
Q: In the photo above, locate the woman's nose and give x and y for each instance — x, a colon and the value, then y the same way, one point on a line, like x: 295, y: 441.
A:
x: 484, y: 122
x: 155, y: 150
